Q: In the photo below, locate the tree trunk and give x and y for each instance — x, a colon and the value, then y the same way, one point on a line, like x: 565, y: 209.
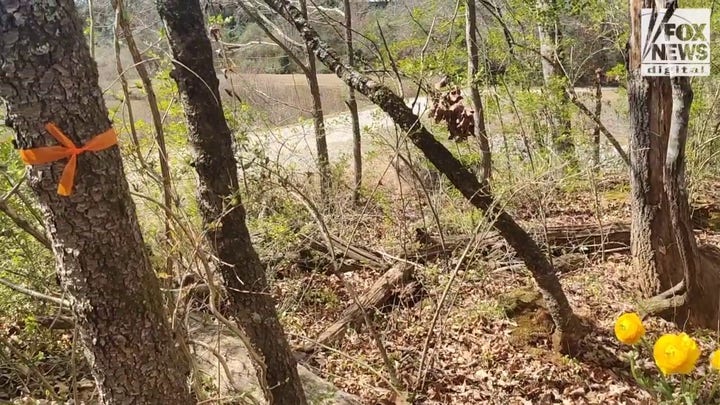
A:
x: 663, y: 245
x: 473, y: 69
x: 549, y: 36
x: 47, y: 75
x: 142, y: 71
x: 598, y: 113
x: 551, y: 54
x: 223, y: 213
x: 655, y: 255
x: 318, y: 120
x: 467, y: 183
x: 352, y: 105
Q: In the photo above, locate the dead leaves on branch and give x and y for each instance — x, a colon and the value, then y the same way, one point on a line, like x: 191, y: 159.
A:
x: 448, y: 107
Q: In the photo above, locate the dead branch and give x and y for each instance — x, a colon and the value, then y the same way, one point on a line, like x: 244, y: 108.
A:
x: 379, y: 294
x: 34, y: 294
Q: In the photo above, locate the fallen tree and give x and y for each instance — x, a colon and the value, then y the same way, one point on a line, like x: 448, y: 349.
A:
x: 558, y: 240
x: 382, y: 290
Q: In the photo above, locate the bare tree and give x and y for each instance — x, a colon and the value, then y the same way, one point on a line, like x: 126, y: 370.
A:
x: 318, y: 118
x: 597, y: 113
x: 140, y: 66
x: 352, y: 104
x: 551, y: 55
x: 278, y: 36
x: 101, y: 258
x: 473, y: 69
x: 252, y: 304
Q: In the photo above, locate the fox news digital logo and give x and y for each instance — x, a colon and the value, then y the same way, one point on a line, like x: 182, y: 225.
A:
x: 675, y: 42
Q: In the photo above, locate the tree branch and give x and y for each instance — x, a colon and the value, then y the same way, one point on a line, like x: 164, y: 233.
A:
x: 34, y: 294
x: 231, y: 46
x: 25, y: 225
x: 261, y: 19
x: 266, y: 25
x: 575, y: 100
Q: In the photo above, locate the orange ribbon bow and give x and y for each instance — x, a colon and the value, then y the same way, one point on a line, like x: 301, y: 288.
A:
x: 67, y: 148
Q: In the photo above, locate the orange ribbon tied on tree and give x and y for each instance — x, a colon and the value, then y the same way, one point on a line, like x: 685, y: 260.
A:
x: 66, y: 149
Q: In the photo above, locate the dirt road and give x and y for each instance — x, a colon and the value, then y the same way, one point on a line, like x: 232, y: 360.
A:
x: 295, y: 144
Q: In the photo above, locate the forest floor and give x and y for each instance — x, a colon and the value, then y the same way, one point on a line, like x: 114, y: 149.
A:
x: 483, y: 350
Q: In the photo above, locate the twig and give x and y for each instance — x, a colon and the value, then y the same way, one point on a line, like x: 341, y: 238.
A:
x: 377, y: 373
x: 575, y: 100
x: 14, y: 350
x: 214, y: 297
x: 419, y: 381
x: 23, y: 224
x: 235, y: 46
x: 393, y: 65
x: 34, y: 294
x: 13, y: 190
x: 126, y: 93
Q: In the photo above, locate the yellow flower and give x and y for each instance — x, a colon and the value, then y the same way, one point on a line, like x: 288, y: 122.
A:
x: 676, y: 353
x: 715, y: 360
x: 629, y: 328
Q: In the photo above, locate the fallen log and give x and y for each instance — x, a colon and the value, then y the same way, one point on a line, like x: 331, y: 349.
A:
x: 345, y: 250
x: 397, y: 281
x: 562, y: 240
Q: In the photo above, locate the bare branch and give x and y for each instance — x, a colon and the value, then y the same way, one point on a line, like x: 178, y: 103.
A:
x: 220, y: 360
x: 34, y: 294
x: 263, y: 22
x: 231, y: 46
x: 251, y: 7
x: 24, y: 224
x: 575, y: 100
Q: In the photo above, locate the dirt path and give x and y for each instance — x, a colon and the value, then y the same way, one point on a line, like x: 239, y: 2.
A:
x: 294, y: 145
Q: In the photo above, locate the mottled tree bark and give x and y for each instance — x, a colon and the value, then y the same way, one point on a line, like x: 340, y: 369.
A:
x: 473, y: 69
x: 252, y: 305
x: 47, y: 74
x: 476, y: 193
